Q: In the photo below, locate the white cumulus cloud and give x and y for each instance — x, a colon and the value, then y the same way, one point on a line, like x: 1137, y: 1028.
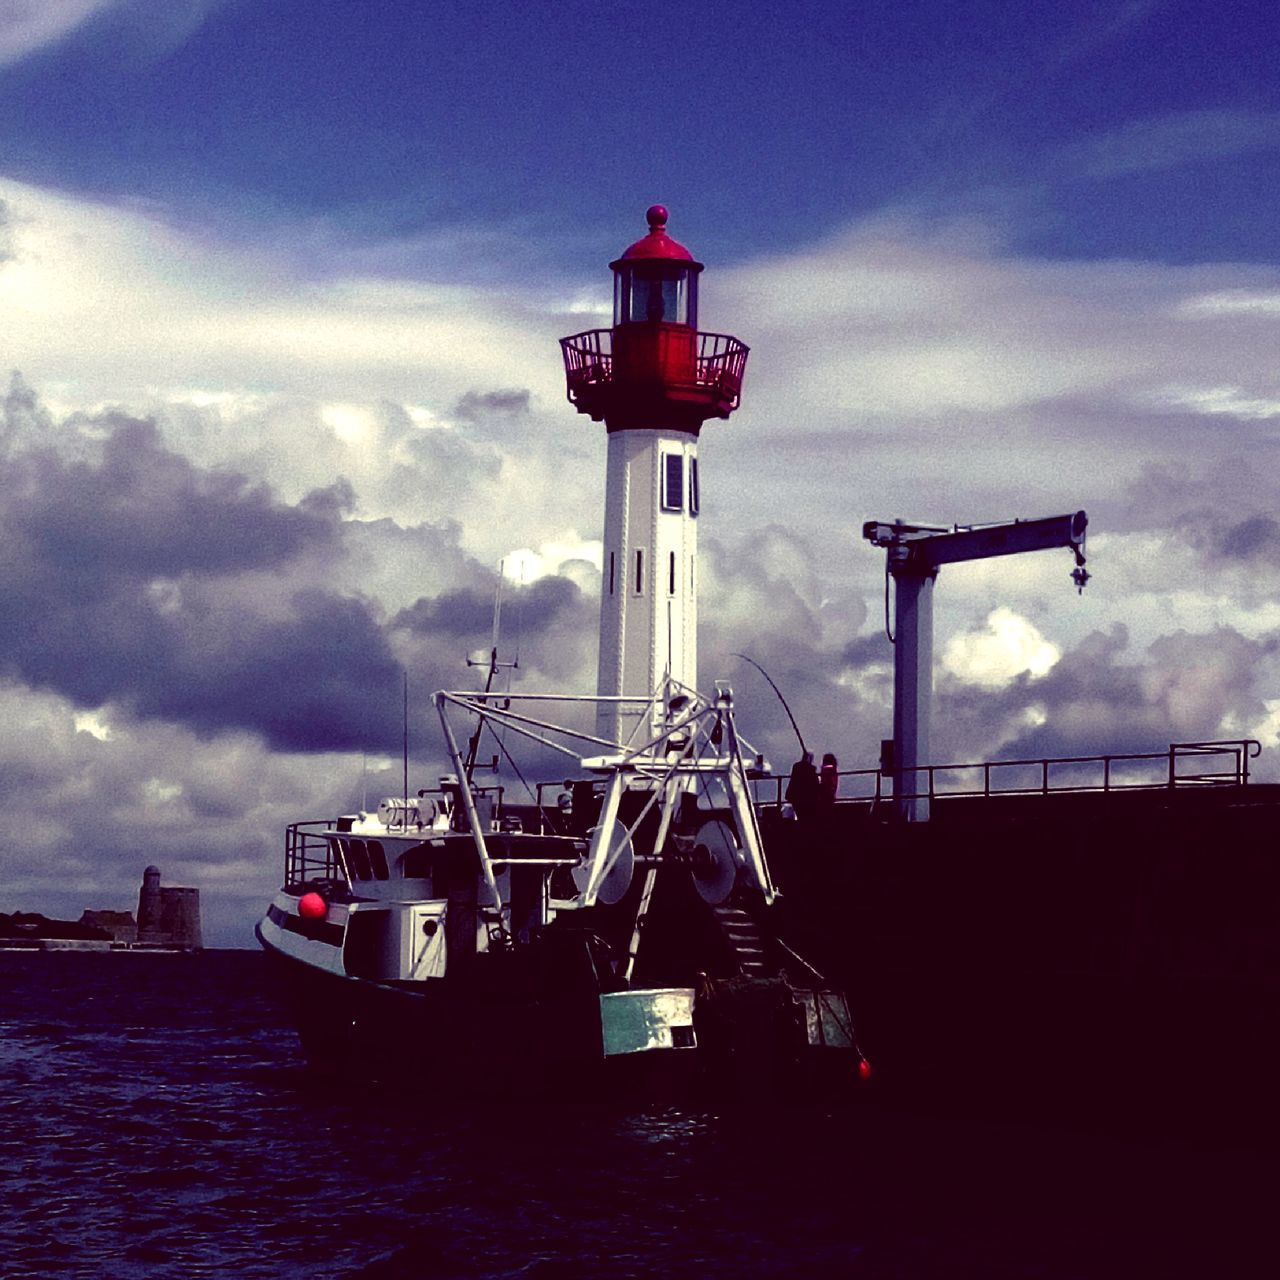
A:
x: 1004, y: 647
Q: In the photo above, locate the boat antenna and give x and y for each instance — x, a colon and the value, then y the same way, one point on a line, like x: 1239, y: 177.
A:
x: 405, y: 758
x: 781, y: 699
x: 473, y: 746
x: 519, y: 624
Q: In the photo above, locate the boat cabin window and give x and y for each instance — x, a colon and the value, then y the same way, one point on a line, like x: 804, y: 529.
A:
x: 377, y: 859
x: 416, y: 863
x: 672, y: 482
x: 358, y: 860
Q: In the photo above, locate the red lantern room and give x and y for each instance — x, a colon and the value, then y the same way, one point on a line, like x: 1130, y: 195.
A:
x: 653, y: 369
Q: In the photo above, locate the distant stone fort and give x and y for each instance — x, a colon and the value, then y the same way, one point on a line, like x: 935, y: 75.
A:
x: 167, y: 918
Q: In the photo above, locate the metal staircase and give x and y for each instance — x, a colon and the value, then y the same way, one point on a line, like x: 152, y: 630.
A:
x: 745, y: 940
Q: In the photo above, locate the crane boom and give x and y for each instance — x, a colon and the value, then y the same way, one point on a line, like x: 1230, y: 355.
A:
x: 929, y: 547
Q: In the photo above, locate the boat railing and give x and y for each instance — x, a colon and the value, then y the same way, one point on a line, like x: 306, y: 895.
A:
x: 308, y: 856
x: 311, y: 853
x: 1181, y: 765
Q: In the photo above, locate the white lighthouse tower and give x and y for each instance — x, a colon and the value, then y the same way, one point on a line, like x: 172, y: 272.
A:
x: 653, y: 380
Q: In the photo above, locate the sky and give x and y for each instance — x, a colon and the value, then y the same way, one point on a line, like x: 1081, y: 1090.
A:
x: 281, y: 284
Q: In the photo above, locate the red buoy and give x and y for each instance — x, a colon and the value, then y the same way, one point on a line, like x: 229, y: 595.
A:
x: 311, y: 906
x: 864, y: 1070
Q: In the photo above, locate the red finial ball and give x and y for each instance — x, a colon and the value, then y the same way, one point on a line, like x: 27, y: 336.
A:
x: 656, y: 216
x: 311, y: 906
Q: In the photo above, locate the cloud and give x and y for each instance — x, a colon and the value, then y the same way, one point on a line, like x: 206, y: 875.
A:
x: 1224, y: 400
x: 1100, y: 697
x: 116, y: 30
x: 250, y: 496
x: 120, y: 305
x: 1092, y: 33
x: 132, y: 576
x: 1006, y: 646
x: 1230, y: 302
x: 475, y: 406
x: 106, y: 806
x: 28, y: 25
x: 136, y: 579
x: 1173, y: 140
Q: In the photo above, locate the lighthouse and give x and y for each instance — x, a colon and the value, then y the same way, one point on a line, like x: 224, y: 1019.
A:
x: 653, y: 379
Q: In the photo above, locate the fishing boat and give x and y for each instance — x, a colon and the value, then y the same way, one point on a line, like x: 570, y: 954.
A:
x: 619, y: 920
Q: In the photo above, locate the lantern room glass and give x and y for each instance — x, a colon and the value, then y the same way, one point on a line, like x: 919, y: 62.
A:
x: 655, y: 293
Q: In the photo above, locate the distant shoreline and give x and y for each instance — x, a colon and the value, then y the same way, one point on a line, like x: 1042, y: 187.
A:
x: 92, y: 944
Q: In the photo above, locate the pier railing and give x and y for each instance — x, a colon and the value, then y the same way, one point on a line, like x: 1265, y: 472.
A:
x: 1182, y: 765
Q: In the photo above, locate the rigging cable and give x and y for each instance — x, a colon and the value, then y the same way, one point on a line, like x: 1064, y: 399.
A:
x: 887, y: 630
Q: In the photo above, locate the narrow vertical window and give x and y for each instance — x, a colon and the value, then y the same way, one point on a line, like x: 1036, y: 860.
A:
x: 693, y: 487
x: 639, y: 571
x: 672, y: 482
x: 671, y: 589
x: 611, y: 572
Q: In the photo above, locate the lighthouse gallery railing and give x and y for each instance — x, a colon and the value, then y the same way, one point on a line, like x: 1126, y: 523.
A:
x: 718, y: 366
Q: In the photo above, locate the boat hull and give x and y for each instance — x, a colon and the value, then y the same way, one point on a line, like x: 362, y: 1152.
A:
x: 483, y: 1034
x: 746, y: 1040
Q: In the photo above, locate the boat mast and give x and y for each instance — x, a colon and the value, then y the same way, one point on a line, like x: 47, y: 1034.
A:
x: 473, y: 745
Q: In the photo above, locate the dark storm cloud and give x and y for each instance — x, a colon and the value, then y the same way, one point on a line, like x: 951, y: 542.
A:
x: 467, y: 612
x: 476, y: 406
x: 1256, y: 536
x: 332, y: 502
x: 1202, y: 499
x: 867, y: 651
x: 549, y: 628
x: 321, y: 679
x: 130, y: 575
x: 138, y: 509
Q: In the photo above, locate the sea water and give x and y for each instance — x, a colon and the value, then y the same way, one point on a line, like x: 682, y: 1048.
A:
x: 157, y: 1120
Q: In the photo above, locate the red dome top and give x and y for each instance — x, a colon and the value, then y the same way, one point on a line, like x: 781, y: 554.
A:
x: 657, y: 245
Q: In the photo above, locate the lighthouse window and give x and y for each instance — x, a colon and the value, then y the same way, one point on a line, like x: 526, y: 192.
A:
x: 673, y: 482
x: 639, y: 571
x: 611, y: 572
x: 651, y: 295
x: 693, y: 486
x: 671, y: 589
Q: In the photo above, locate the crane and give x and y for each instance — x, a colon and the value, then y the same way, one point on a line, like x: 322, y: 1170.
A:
x: 915, y: 552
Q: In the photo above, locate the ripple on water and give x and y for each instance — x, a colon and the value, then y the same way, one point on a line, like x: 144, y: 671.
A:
x: 169, y: 1130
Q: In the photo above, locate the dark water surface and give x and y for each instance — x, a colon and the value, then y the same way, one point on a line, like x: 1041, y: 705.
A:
x: 156, y: 1121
